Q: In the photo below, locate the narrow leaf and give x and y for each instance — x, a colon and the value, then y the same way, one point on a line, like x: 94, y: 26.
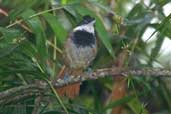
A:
x: 36, y: 27
x: 58, y: 29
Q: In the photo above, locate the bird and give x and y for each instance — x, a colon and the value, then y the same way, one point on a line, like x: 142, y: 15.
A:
x: 80, y: 50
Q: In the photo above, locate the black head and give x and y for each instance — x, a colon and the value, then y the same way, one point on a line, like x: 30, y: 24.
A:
x: 87, y: 19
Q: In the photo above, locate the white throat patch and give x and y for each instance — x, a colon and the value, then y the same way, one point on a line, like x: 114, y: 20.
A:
x: 88, y: 28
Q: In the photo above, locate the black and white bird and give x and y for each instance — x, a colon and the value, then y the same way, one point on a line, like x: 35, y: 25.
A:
x: 80, y: 50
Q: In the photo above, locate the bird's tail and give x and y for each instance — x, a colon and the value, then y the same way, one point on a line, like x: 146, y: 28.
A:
x: 71, y: 90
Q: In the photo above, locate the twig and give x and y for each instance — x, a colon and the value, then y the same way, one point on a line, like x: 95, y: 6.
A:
x: 54, y: 46
x: 3, y: 12
x: 155, y: 72
x: 37, y: 104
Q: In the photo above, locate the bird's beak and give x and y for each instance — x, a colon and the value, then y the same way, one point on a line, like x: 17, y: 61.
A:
x: 92, y: 23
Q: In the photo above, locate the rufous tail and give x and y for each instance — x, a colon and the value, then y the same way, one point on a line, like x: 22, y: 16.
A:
x: 71, y: 90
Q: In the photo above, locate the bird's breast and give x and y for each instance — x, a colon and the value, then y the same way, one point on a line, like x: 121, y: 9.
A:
x: 80, y: 56
x: 83, y: 39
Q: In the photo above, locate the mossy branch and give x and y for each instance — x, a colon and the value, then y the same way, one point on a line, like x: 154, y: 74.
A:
x: 18, y: 93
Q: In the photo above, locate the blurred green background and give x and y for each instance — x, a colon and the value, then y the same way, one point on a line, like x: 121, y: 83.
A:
x: 32, y: 34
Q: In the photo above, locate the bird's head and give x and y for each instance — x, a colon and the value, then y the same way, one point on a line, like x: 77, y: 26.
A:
x: 88, y: 20
x: 87, y: 24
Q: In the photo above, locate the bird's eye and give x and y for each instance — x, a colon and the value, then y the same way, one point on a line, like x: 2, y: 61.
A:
x: 86, y: 21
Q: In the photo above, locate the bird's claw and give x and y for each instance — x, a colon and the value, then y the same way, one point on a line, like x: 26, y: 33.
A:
x: 89, y: 72
x: 66, y: 78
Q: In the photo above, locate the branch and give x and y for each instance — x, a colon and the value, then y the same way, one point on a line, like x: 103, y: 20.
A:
x: 18, y: 93
x: 37, y: 105
x: 22, y: 92
x: 108, y: 72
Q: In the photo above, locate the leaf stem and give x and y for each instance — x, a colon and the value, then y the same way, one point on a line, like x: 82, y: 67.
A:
x: 57, y: 96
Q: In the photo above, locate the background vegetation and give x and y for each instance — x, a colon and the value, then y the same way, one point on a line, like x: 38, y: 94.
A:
x: 32, y: 33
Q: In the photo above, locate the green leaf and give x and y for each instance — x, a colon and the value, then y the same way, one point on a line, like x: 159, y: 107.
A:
x: 28, y: 48
x: 156, y: 49
x: 10, y: 33
x: 58, y: 29
x: 104, y: 37
x: 119, y: 102
x: 164, y: 27
x: 137, y: 11
x: 137, y: 107
x: 7, y: 50
x: 101, y: 31
x: 124, y: 100
x: 37, y: 28
x: 9, y: 37
x: 15, y: 12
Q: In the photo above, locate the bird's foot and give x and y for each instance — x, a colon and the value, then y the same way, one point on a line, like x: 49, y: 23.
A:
x: 89, y: 72
x: 66, y: 78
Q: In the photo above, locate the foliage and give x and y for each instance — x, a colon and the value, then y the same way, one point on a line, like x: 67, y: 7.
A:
x: 31, y: 44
